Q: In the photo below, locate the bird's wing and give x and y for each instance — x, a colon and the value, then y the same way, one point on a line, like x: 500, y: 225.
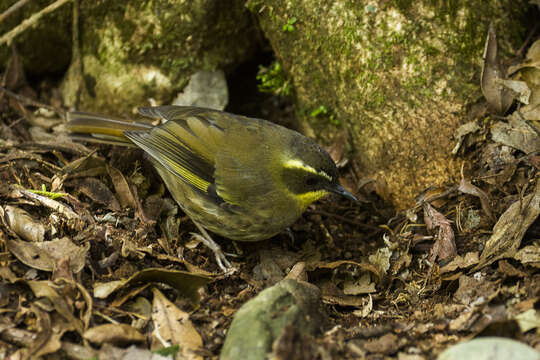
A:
x: 185, y: 145
x: 225, y: 156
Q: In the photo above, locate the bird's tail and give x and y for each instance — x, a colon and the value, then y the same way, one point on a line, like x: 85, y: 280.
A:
x: 101, y: 129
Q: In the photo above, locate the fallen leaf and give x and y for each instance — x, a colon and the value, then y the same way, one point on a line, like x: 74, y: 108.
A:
x: 23, y: 224
x: 122, y: 188
x: 510, y: 228
x: 444, y: 247
x: 509, y: 270
x: 498, y: 97
x: 387, y: 344
x: 519, y: 88
x: 529, y: 255
x: 462, y: 132
x: 44, y: 255
x: 466, y: 187
x: 186, y: 283
x: 97, y: 191
x: 516, y: 134
x: 461, y: 262
x: 172, y: 326
x: 528, y: 320
x: 363, y: 285
x: 47, y: 289
x: 120, y: 334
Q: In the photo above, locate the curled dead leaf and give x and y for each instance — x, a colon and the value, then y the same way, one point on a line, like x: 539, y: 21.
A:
x: 186, y: 283
x: 444, y: 247
x: 466, y: 187
x: 23, y: 224
x: 498, y: 97
x: 113, y: 333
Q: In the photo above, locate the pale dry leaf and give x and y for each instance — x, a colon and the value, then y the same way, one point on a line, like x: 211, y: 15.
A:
x: 113, y: 333
x: 516, y: 134
x: 519, y: 88
x: 528, y: 320
x: 363, y: 285
x: 47, y: 289
x: 510, y: 228
x: 173, y: 327
x: 529, y: 255
x: 44, y: 255
x: 462, y: 132
x: 461, y: 262
x: 23, y: 224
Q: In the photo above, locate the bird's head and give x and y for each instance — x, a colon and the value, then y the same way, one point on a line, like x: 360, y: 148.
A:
x: 309, y: 173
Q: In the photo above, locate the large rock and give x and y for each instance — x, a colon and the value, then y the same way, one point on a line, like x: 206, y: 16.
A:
x: 135, y: 50
x: 396, y: 75
x: 289, y: 305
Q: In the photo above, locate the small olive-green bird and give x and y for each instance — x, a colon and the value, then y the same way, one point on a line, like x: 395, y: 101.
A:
x: 242, y: 178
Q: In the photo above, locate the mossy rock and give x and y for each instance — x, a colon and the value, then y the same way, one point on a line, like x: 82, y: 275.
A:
x: 135, y: 50
x: 395, y: 75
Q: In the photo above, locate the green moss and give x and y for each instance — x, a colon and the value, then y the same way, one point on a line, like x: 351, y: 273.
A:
x: 272, y: 79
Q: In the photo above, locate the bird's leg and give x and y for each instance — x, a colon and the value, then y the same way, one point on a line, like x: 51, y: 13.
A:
x: 221, y: 260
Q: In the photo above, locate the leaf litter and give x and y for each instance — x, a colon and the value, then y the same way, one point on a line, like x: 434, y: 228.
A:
x: 107, y: 270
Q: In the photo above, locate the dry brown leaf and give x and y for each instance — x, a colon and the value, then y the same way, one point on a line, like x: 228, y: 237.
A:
x: 510, y: 228
x: 462, y: 132
x: 121, y: 334
x: 466, y: 187
x: 335, y: 264
x: 529, y: 255
x: 187, y: 284
x: 47, y: 289
x: 122, y: 188
x: 498, y: 97
x: 516, y: 134
x: 23, y: 224
x: 461, y: 262
x: 44, y: 255
x: 386, y: 344
x: 444, y: 247
x: 173, y: 327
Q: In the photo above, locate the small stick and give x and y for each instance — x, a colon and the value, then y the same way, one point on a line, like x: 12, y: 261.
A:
x: 26, y: 100
x: 32, y: 20
x: 19, y: 4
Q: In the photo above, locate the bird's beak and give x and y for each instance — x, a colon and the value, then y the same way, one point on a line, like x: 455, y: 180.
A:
x: 340, y: 190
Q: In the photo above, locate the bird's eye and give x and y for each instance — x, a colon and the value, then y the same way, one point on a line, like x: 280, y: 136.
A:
x: 310, y: 181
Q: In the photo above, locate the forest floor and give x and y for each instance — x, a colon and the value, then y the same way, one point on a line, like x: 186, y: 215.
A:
x: 92, y: 246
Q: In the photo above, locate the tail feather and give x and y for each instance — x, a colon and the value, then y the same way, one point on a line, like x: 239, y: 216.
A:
x: 97, y: 128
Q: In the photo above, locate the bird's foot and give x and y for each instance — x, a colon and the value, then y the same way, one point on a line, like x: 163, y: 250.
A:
x: 220, y: 256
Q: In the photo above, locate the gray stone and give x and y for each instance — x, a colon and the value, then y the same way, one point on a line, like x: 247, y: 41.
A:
x: 263, y: 319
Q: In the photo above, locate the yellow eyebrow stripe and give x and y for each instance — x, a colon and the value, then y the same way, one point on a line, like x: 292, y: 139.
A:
x: 299, y: 164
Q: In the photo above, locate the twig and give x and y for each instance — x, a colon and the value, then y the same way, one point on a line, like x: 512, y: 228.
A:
x: 19, y: 4
x: 31, y: 21
x: 28, y: 101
